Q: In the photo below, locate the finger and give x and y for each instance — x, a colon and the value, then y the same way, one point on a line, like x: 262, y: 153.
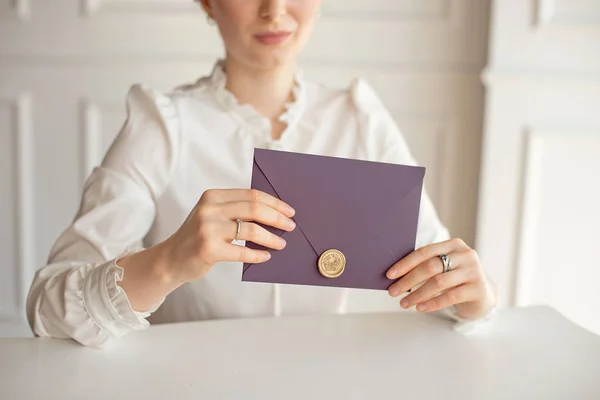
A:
x: 232, y: 252
x: 259, y: 212
x: 456, y: 295
x: 423, y: 254
x: 436, y: 285
x: 423, y: 272
x: 254, y: 233
x: 249, y: 195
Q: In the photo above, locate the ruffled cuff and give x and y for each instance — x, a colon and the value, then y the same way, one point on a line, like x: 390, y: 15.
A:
x: 107, y: 302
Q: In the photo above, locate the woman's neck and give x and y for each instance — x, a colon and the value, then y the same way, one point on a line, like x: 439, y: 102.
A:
x: 266, y: 90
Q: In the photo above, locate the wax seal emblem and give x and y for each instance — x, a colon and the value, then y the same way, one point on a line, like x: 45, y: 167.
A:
x: 332, y: 263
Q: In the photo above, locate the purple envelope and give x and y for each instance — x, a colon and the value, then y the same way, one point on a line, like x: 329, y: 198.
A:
x: 367, y: 210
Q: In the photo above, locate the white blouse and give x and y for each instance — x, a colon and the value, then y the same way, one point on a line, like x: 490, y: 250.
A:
x: 171, y: 149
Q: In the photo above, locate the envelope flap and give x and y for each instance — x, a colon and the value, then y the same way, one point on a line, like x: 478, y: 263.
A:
x: 338, y: 200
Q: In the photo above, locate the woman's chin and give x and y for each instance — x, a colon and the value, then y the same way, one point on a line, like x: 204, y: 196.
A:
x: 274, y: 60
x: 269, y: 57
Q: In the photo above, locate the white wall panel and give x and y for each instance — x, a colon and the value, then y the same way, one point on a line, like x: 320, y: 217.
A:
x: 559, y: 224
x: 537, y: 182
x: 546, y: 36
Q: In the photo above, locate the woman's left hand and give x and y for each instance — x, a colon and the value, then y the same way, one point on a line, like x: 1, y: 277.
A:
x: 464, y: 285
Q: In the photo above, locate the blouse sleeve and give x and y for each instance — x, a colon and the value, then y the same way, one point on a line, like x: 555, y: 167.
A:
x: 388, y: 144
x: 76, y: 294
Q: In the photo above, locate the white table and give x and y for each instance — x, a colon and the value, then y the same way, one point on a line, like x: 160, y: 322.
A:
x: 530, y: 353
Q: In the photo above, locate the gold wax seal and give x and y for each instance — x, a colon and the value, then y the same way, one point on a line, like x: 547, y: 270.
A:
x: 332, y: 263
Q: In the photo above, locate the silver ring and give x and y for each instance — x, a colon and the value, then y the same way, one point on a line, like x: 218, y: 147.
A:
x: 239, y: 229
x: 447, y: 262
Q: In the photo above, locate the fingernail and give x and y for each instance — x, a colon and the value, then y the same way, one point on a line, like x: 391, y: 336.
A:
x: 266, y: 256
x: 291, y: 224
x: 404, y: 303
x: 391, y: 274
x: 291, y: 211
x: 421, y: 307
x: 394, y: 291
x: 282, y: 243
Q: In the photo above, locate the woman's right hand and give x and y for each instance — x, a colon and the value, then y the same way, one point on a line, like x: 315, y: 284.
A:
x: 206, y: 235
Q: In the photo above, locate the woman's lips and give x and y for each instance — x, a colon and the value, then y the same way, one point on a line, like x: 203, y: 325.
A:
x: 272, y: 38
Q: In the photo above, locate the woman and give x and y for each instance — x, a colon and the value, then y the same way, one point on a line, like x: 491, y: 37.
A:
x: 142, y: 235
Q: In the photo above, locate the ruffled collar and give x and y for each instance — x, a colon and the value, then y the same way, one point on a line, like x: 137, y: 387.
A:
x: 246, y: 114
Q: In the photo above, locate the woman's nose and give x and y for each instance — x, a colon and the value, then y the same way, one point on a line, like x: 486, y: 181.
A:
x: 273, y: 9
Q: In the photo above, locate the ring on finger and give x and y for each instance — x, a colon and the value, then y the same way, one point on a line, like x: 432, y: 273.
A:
x: 447, y: 263
x: 239, y: 229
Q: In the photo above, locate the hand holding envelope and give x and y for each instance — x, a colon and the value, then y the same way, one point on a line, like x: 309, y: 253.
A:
x: 356, y: 228
x: 354, y: 218
x: 356, y: 224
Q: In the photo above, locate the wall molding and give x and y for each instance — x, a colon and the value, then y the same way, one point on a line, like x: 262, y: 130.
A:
x: 544, y: 12
x: 89, y: 7
x: 92, y: 7
x: 164, y: 61
x: 442, y: 13
x: 92, y: 116
x: 524, y: 267
x: 492, y: 76
x: 22, y: 131
x: 91, y: 124
x: 529, y: 200
x: 26, y: 227
x: 22, y: 9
